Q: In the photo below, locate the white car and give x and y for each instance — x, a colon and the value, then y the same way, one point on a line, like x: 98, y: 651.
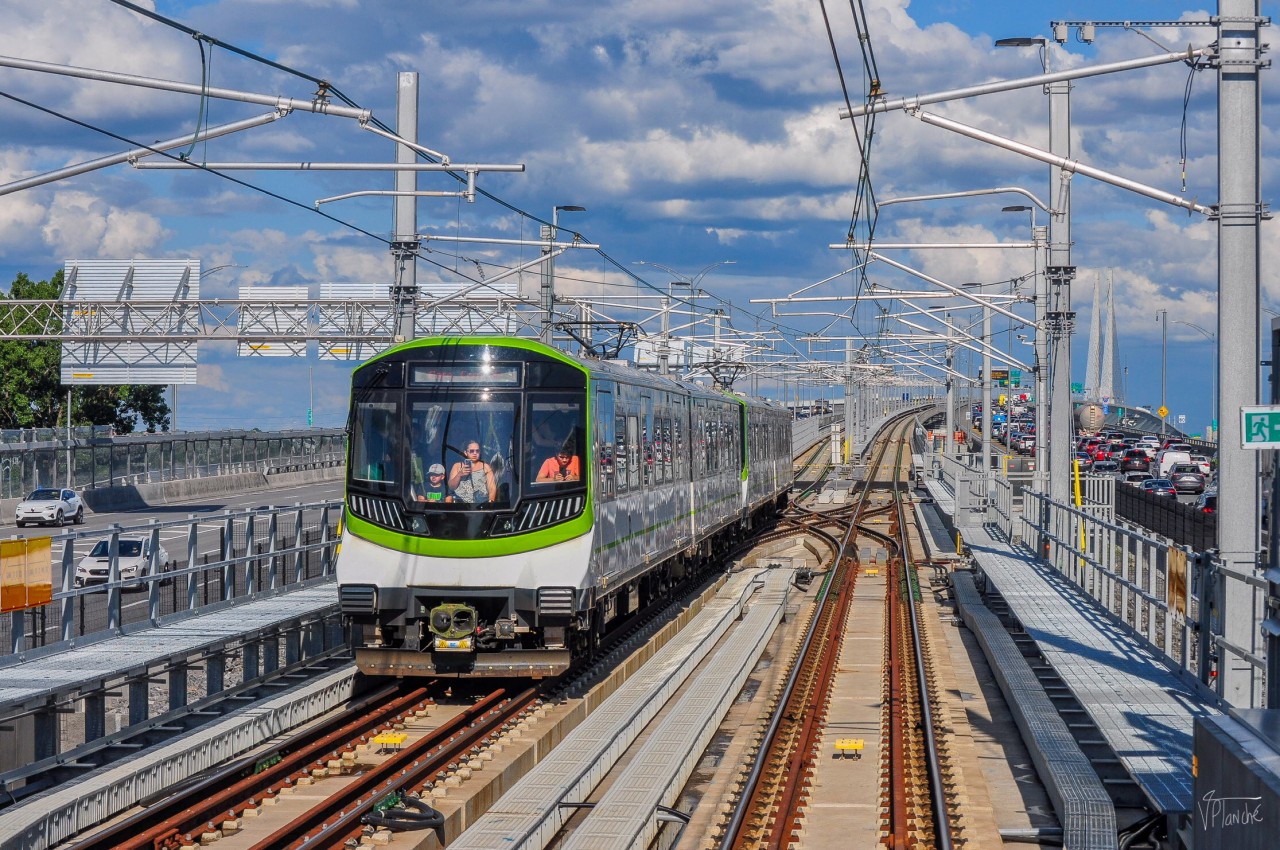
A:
x: 50, y: 506
x: 1202, y: 462
x: 134, y: 556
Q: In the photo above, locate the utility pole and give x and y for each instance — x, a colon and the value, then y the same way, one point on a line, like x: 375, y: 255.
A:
x: 1059, y: 273
x: 1239, y: 212
x: 850, y: 406
x: 1040, y: 345
x: 986, y: 401
x: 951, y: 392
x: 548, y: 292
x: 1164, y: 359
x: 404, y: 244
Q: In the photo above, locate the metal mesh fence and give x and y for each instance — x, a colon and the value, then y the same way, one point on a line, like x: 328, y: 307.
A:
x: 1168, y: 517
x: 91, y: 460
x: 253, y: 552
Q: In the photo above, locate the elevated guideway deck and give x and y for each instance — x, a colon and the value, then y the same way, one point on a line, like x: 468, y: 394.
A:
x: 1143, y: 709
x: 40, y: 690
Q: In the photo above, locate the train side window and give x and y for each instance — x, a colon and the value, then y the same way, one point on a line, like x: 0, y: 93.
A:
x: 620, y: 465
x: 726, y: 443
x: 666, y: 449
x: 714, y: 426
x: 633, y: 451
x: 677, y: 433
x: 603, y: 424
x: 648, y: 438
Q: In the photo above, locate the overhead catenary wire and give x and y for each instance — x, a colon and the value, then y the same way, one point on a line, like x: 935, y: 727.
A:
x: 326, y: 88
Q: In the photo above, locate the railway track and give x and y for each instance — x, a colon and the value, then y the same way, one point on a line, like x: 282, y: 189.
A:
x: 770, y: 811
x: 344, y: 744
x: 395, y: 789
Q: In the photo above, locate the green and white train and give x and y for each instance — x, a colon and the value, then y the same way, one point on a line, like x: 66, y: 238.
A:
x: 507, y: 503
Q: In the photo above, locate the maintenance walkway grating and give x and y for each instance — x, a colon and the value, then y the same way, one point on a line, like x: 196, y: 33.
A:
x: 1145, y: 712
x: 34, y: 680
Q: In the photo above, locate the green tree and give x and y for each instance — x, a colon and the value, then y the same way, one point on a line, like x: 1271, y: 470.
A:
x: 31, y: 391
x: 31, y: 395
x: 122, y: 406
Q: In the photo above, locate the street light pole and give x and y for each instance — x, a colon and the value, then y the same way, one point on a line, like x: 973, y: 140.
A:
x: 1164, y: 354
x: 1058, y: 275
x: 1040, y: 237
x: 664, y: 354
x: 548, y: 293
x: 1213, y: 375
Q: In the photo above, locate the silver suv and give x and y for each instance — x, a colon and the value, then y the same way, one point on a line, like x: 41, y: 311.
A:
x: 49, y: 506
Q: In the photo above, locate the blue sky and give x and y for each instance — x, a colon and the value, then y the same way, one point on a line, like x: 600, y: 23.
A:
x: 693, y: 133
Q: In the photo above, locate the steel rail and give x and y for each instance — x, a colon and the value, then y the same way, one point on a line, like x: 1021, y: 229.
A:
x: 162, y: 823
x: 415, y: 764
x: 730, y: 837
x: 941, y: 815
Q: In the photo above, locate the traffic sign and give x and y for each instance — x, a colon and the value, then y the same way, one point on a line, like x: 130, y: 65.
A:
x: 1260, y: 427
x: 1162, y: 411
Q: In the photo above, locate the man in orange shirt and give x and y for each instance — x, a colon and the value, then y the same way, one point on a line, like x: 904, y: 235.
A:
x: 562, y: 467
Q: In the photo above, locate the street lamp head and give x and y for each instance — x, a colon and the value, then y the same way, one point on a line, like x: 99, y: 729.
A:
x: 208, y: 272
x: 1017, y: 208
x: 571, y: 208
x: 1022, y: 41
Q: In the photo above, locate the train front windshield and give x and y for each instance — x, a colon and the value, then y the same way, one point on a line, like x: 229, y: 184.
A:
x: 464, y: 441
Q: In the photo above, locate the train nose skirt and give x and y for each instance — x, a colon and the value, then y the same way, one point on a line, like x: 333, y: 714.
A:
x: 536, y: 663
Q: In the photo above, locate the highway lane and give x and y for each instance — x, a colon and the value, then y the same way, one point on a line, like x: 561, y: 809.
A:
x: 96, y: 524
x: 208, y: 510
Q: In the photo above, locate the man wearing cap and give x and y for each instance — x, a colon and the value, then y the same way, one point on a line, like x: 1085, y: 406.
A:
x: 435, y: 489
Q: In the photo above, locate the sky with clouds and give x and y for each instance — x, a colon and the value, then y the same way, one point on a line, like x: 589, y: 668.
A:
x: 691, y: 132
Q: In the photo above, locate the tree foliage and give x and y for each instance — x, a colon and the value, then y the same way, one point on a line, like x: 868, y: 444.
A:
x: 31, y: 391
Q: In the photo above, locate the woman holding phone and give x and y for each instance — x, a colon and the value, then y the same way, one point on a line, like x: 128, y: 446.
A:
x: 471, y: 479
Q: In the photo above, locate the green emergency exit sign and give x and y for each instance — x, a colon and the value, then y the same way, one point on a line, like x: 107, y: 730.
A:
x: 1260, y: 427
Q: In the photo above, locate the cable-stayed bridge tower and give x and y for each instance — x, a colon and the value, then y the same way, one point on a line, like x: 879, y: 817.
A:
x: 1102, y: 368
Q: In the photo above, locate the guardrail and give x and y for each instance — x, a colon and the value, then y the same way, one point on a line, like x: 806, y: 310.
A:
x: 250, y: 553
x: 1161, y: 588
x: 1146, y: 581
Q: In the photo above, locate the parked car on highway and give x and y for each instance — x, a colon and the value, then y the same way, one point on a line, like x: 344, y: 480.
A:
x: 1168, y: 459
x: 1135, y: 460
x: 134, y: 556
x: 1102, y: 451
x: 50, y: 506
x: 1187, y: 478
x: 1106, y: 469
x: 1159, y: 487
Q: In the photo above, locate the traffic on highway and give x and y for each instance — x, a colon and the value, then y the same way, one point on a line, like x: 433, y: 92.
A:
x: 192, y: 537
